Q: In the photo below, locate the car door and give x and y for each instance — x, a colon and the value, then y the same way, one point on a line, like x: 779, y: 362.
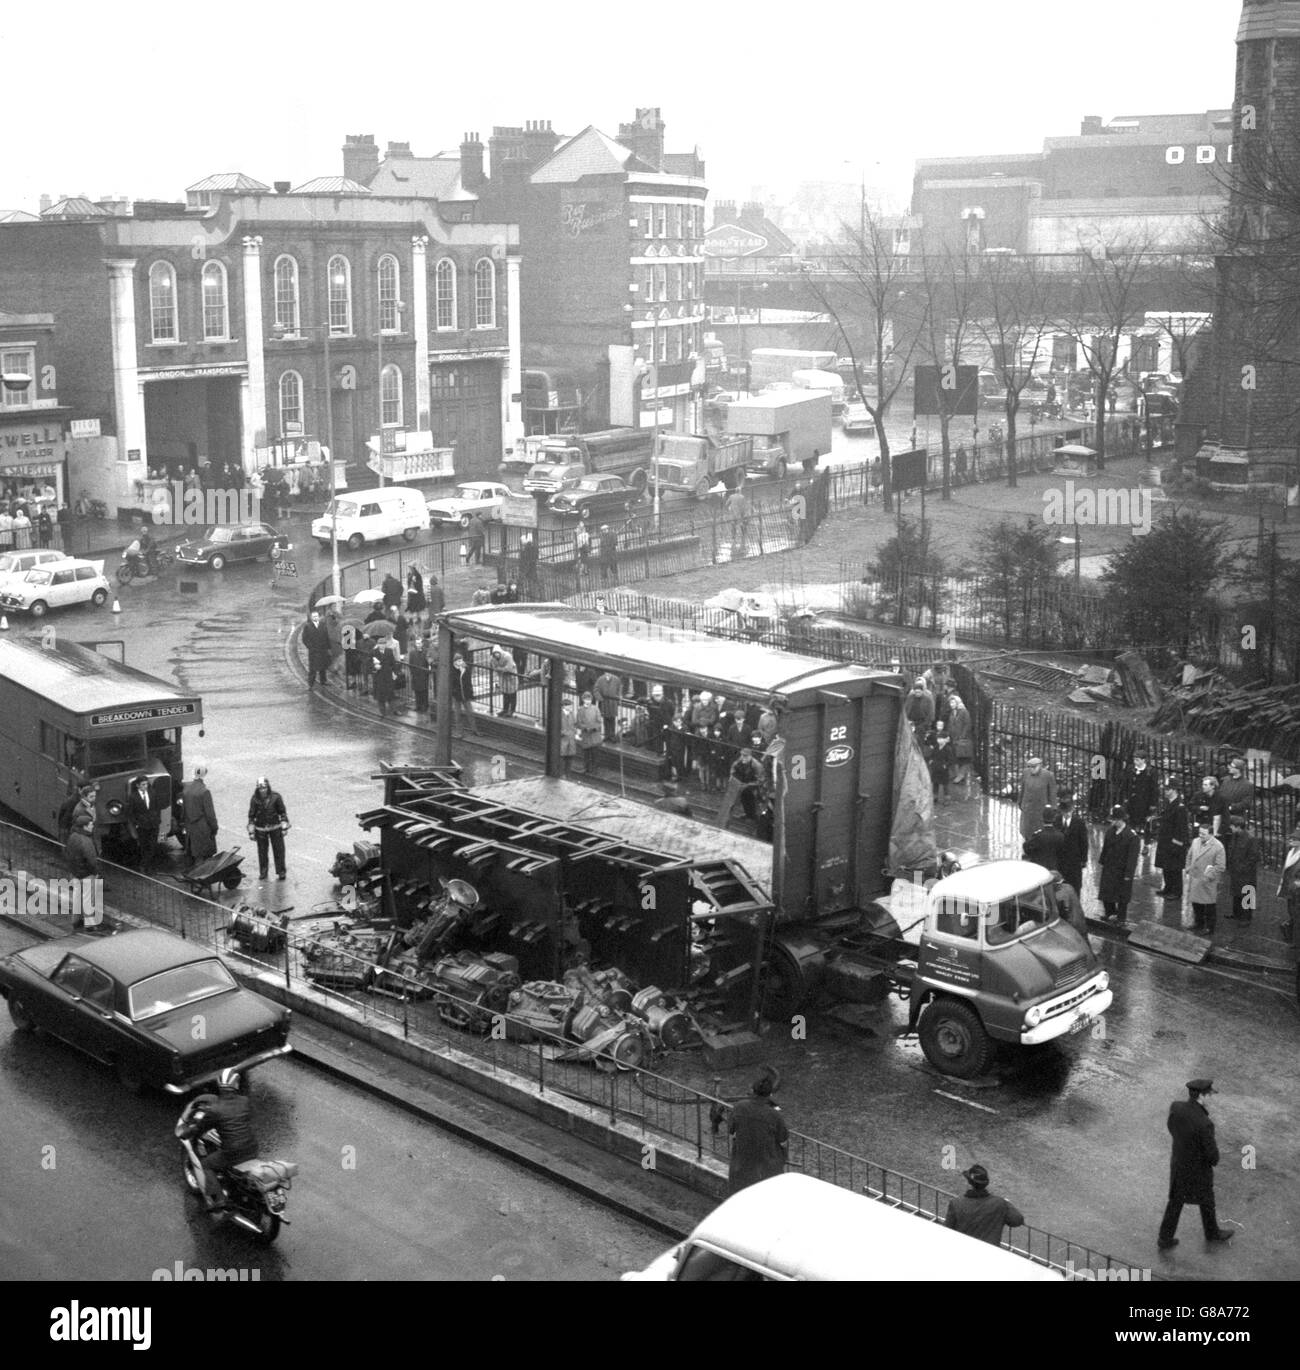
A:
x: 79, y: 1007
x: 62, y: 589
x: 82, y: 590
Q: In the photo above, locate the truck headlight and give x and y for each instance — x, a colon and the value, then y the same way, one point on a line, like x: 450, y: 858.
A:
x: 1103, y: 980
x: 1034, y: 1016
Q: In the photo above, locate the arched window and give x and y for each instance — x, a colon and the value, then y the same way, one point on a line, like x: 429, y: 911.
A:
x: 390, y: 283
x: 485, y: 294
x: 444, y: 293
x: 390, y: 383
x: 286, y: 295
x: 290, y: 404
x: 339, y: 271
x: 162, y: 303
x: 216, y: 314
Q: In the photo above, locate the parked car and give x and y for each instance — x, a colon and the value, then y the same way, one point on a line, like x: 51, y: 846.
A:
x: 550, y: 477
x: 56, y: 585
x: 226, y: 542
x: 132, y: 1001
x: 857, y: 419
x: 482, y: 497
x: 595, y: 497
x: 15, y: 565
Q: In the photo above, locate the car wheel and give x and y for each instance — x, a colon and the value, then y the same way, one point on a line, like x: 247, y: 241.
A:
x: 129, y: 1077
x: 464, y: 520
x: 356, y: 542
x: 218, y: 562
x: 99, y: 598
x: 585, y: 513
x: 39, y: 608
x: 22, y: 1020
x: 409, y: 534
x: 954, y: 1039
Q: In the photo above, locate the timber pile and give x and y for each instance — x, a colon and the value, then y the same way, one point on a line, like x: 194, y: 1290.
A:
x: 1267, y: 718
x: 1138, y: 686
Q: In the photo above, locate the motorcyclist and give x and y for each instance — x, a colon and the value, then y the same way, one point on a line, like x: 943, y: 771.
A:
x: 142, y: 552
x: 232, y: 1115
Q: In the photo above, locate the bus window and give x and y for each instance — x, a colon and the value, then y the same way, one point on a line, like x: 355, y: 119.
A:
x: 109, y: 754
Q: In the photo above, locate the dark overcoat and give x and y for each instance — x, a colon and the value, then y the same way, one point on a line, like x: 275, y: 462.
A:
x: 1195, y: 1153
x: 758, y: 1141
x: 1172, y: 837
x: 1119, y: 858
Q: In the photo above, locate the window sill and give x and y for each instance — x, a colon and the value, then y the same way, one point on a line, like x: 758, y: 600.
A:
x: 219, y: 342
x: 176, y: 342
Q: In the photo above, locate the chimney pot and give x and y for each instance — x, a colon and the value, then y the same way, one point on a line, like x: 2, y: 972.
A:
x: 282, y: 187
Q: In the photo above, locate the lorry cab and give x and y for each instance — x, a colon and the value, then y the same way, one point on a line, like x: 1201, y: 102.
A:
x: 997, y: 962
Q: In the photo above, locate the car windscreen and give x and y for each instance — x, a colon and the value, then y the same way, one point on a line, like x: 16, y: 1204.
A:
x: 1018, y: 915
x: 177, y: 987
x: 466, y: 492
x: 38, y: 577
x: 220, y: 535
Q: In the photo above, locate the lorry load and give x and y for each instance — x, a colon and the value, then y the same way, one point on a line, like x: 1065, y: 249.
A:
x: 789, y: 428
x: 626, y: 452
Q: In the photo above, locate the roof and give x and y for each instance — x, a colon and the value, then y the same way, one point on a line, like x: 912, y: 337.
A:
x: 227, y: 180
x: 589, y: 153
x: 331, y: 185
x: 426, y: 178
x: 135, y: 955
x: 814, y: 1230
x: 992, y: 880
x: 74, y: 677
x: 655, y: 651
x: 18, y: 216
x: 74, y: 208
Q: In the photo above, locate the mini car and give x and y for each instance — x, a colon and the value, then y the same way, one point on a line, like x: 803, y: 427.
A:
x: 482, y: 497
x: 56, y: 585
x: 226, y: 542
x: 14, y: 565
x: 136, y: 1000
x: 858, y: 420
x: 595, y: 497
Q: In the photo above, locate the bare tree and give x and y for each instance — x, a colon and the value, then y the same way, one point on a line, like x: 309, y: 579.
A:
x: 864, y: 293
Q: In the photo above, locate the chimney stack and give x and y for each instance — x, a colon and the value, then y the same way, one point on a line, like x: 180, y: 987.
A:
x: 1091, y: 124
x: 360, y: 157
x: 645, y: 137
x: 752, y: 209
x: 46, y: 202
x: 724, y: 212
x: 282, y: 187
x: 399, y: 150
x: 471, y: 163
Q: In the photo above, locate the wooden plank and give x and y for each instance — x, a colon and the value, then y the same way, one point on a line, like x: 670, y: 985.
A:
x: 1182, y: 945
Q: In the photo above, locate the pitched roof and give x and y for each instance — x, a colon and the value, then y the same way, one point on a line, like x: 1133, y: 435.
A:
x: 330, y: 185
x: 426, y: 178
x: 589, y: 153
x: 18, y: 216
x: 227, y: 180
x: 74, y: 207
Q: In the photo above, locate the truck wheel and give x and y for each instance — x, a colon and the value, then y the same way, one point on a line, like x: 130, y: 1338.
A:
x: 702, y: 488
x: 638, y: 480
x: 954, y: 1040
x: 779, y: 472
x: 788, y: 982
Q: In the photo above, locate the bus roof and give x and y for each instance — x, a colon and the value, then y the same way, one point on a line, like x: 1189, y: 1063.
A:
x: 81, y: 681
x: 656, y: 651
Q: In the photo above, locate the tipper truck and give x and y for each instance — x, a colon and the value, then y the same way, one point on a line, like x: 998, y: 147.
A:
x: 789, y: 428
x: 626, y: 452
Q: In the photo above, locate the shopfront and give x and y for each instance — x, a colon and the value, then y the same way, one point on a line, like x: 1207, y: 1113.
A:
x: 33, y: 459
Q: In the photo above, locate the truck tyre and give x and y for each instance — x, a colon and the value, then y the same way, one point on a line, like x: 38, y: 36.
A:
x: 954, y: 1040
x: 638, y: 480
x: 790, y: 978
x: 779, y: 471
x: 702, y: 488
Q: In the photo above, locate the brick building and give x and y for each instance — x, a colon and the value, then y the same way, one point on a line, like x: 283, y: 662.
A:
x: 33, y: 441
x: 201, y: 330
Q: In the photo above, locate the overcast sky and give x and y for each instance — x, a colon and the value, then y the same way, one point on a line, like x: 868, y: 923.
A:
x: 142, y: 98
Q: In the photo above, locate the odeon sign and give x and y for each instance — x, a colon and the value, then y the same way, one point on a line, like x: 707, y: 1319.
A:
x: 1204, y: 153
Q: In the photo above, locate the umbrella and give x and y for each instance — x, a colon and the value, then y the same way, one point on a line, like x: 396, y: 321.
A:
x: 1074, y: 449
x: 381, y: 627
x: 368, y: 597
x: 330, y: 599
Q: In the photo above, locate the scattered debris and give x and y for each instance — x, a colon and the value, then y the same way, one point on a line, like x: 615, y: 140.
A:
x: 1138, y: 686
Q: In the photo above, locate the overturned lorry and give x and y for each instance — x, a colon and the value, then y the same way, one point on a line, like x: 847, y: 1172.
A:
x: 841, y: 905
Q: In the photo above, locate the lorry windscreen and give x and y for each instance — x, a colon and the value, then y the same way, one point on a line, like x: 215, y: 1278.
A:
x: 1018, y: 915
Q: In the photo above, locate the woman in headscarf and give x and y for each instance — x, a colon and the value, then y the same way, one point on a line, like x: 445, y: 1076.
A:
x: 415, y: 600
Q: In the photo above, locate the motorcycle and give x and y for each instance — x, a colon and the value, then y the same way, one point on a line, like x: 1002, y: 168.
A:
x: 254, y: 1194
x: 134, y: 568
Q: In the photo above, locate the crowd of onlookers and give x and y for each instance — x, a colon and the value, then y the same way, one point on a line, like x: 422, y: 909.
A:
x: 28, y: 516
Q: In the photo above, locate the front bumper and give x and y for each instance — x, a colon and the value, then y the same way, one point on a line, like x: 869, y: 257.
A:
x: 1073, y: 1019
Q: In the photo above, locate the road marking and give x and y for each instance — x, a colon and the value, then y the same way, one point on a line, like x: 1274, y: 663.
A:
x: 970, y: 1103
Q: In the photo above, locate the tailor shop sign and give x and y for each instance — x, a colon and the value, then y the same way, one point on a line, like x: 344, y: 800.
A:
x: 26, y: 444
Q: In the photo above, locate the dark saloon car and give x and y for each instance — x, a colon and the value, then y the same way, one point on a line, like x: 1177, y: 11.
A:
x: 228, y: 542
x: 595, y: 497
x: 163, y: 1012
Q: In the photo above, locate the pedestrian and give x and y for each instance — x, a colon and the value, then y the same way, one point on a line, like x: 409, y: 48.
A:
x: 462, y: 692
x: 415, y: 600
x: 392, y: 591
x: 748, y: 775
x: 768, y: 725
x: 961, y: 462
x: 22, y: 525
x: 670, y: 801
x: 417, y: 664
x: 44, y: 528
x: 383, y: 671
x: 435, y: 597
x: 676, y: 760
x: 1120, y: 849
x: 499, y: 593
x: 1037, y: 792
x: 1242, y: 857
x: 1141, y: 795
x: 1236, y: 791
x: 660, y: 712
x: 83, y: 864
x: 144, y: 818
x: 1068, y: 904
x: 938, y: 757
x: 1206, y: 861
x: 918, y: 709
x: 736, y: 508
x: 480, y: 597
x: 568, y: 735
x: 608, y: 691
x: 316, y: 639
x: 979, y: 1213
x: 1192, y: 1159
x: 1211, y: 802
x: 528, y: 557
x: 200, y: 816
x: 590, y: 730
x: 607, y: 555
x: 759, y: 1138
x: 1043, y: 846
x: 1073, y: 855
x: 582, y: 550
x: 506, y: 675
x: 267, y: 824
x: 1288, y: 887
x: 475, y: 539
x: 961, y: 730
x: 1171, y: 843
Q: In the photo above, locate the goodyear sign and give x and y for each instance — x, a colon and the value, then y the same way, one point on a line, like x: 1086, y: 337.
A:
x: 728, y: 240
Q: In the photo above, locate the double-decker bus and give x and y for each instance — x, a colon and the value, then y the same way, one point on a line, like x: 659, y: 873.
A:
x: 68, y: 713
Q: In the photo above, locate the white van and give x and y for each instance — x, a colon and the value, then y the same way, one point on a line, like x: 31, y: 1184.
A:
x: 369, y: 515
x: 793, y: 1227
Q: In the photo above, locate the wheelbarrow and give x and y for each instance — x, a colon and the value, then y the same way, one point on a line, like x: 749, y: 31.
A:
x: 221, y: 869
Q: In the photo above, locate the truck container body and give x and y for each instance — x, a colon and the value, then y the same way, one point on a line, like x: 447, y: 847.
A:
x: 771, y: 365
x: 790, y: 427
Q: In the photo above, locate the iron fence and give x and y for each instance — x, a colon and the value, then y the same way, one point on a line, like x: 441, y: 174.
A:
x: 661, y: 1109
